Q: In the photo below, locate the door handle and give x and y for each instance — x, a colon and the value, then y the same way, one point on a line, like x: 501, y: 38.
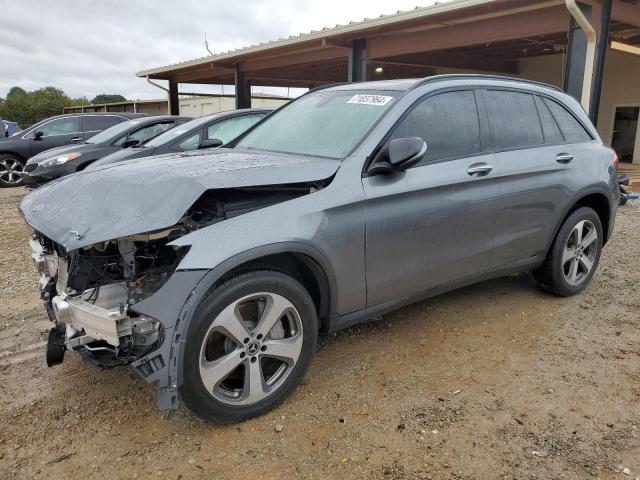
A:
x: 76, y: 139
x: 564, y: 158
x: 479, y: 169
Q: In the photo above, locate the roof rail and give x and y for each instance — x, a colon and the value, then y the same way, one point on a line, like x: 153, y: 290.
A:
x: 436, y: 78
x: 323, y: 87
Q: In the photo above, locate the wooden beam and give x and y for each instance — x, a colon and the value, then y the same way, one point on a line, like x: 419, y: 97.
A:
x: 456, y: 60
x: 298, y: 74
x: 626, y: 13
x: 522, y: 25
x: 292, y: 59
x: 192, y: 76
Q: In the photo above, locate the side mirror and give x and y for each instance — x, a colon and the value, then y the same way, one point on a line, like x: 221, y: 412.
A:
x: 130, y: 143
x: 38, y: 135
x: 210, y: 143
x: 398, y: 155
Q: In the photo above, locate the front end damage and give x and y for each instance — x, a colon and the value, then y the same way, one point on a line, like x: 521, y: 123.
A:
x: 108, y: 245
x: 89, y: 294
x: 107, y: 300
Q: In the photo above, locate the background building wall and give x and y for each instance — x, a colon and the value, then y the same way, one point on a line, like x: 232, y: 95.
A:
x: 199, y: 106
x: 621, y: 86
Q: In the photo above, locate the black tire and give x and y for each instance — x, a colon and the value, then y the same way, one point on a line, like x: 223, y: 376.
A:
x: 551, y: 275
x: 10, y: 165
x: 193, y: 392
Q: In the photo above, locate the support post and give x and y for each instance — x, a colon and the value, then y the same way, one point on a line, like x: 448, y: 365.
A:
x: 357, y: 71
x: 578, y: 78
x: 174, y: 104
x: 601, y: 53
x: 243, y: 90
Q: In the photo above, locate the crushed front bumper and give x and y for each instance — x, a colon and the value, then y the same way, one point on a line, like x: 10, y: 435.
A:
x: 98, y: 314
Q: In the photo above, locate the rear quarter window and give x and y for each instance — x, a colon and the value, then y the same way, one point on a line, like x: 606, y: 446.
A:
x: 97, y: 123
x: 550, y: 129
x: 513, y: 119
x: 572, y: 129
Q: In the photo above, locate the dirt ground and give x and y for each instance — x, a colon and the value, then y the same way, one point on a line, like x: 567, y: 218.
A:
x: 498, y: 380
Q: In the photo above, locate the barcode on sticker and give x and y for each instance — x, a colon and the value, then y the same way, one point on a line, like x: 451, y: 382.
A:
x: 362, y: 99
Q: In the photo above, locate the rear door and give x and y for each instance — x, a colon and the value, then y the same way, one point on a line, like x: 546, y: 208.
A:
x: 56, y: 133
x: 434, y: 223
x: 96, y: 123
x: 531, y: 154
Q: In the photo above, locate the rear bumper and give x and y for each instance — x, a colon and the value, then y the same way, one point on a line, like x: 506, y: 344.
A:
x: 614, y: 203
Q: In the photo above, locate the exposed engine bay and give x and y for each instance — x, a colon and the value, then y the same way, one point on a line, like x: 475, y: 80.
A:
x: 89, y: 292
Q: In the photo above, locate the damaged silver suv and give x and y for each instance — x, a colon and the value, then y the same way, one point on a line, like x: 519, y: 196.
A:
x: 213, y: 278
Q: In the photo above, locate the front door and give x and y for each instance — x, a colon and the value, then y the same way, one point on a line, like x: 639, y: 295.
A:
x: 434, y: 223
x: 56, y: 133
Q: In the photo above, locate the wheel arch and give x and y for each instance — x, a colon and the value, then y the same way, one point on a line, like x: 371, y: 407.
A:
x: 595, y: 199
x: 17, y: 155
x: 303, y: 262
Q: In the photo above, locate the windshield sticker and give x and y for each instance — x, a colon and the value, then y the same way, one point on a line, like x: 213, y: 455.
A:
x: 379, y: 100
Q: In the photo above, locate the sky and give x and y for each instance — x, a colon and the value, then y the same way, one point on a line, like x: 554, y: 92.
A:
x: 90, y: 47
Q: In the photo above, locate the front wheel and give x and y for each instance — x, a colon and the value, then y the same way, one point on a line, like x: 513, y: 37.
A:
x: 248, y: 346
x: 574, y: 255
x: 11, y: 168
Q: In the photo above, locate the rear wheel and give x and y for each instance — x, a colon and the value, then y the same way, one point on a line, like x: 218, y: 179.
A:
x: 249, y: 344
x: 574, y: 255
x: 11, y: 167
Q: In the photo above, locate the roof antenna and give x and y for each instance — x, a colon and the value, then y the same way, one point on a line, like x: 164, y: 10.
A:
x: 206, y: 44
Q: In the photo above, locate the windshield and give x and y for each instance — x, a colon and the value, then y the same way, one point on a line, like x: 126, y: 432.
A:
x: 324, y: 123
x: 112, y: 133
x: 174, y: 133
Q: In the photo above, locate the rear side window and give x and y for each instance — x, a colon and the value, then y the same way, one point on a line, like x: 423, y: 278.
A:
x: 550, y: 130
x: 513, y: 119
x: 448, y: 122
x: 572, y: 130
x: 95, y: 123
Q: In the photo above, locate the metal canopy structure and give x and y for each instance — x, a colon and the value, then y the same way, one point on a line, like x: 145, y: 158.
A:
x: 471, y: 35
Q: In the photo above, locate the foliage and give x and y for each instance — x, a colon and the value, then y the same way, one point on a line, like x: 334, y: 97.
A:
x: 28, y: 108
x: 108, y: 98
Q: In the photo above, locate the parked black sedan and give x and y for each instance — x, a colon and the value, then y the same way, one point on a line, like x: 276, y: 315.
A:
x: 61, y: 161
x: 50, y: 133
x: 204, y: 132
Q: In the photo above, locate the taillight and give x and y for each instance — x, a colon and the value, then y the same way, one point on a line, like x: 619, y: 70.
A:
x: 615, y: 163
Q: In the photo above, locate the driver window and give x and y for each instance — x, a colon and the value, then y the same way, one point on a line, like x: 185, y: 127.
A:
x: 191, y: 143
x: 448, y: 122
x: 227, y: 130
x: 146, y: 133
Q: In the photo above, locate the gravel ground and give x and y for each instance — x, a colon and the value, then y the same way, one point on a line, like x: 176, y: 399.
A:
x: 498, y: 380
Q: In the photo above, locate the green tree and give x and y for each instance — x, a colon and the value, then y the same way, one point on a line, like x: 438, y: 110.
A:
x: 108, y: 98
x: 28, y: 108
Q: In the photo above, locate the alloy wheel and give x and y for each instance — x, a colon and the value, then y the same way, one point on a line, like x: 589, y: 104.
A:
x: 580, y: 252
x: 10, y: 170
x: 250, y: 349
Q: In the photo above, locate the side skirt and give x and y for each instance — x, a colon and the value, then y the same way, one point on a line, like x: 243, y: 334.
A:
x: 338, y: 322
